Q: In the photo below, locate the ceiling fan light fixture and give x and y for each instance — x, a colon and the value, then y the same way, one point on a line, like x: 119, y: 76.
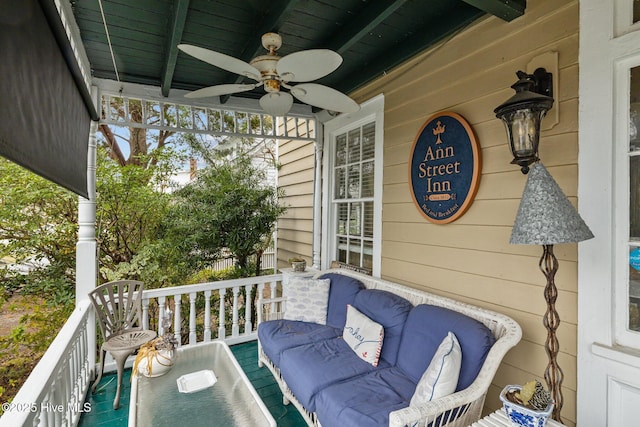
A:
x: 276, y: 103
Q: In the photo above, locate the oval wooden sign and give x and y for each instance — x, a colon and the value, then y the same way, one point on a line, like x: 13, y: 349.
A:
x: 445, y: 168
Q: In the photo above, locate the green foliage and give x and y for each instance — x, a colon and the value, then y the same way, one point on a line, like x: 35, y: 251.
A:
x: 38, y: 219
x: 228, y: 206
x: 129, y: 211
x: 24, y: 345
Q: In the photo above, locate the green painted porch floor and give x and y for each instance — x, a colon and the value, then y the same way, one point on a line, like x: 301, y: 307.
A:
x: 102, y: 413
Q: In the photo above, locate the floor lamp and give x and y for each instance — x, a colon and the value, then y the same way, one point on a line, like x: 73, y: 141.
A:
x: 546, y: 217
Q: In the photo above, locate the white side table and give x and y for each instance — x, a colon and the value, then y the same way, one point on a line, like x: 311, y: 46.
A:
x: 288, y: 273
x: 499, y: 419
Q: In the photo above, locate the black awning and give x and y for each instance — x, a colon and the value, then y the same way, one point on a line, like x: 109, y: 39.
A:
x: 45, y: 114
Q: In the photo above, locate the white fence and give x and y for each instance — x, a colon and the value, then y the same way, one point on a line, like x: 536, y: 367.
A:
x: 54, y: 393
x: 268, y: 260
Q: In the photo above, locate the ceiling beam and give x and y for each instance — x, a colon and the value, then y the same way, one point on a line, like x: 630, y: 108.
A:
x: 175, y: 36
x: 507, y: 10
x: 404, y: 50
x: 364, y: 23
x: 272, y: 21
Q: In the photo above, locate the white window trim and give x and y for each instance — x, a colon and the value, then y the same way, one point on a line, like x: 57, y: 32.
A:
x: 372, y: 110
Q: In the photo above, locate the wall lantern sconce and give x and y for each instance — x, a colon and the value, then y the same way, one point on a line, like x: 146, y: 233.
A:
x: 523, y: 113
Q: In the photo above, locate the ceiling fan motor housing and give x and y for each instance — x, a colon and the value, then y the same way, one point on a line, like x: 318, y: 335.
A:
x: 272, y: 85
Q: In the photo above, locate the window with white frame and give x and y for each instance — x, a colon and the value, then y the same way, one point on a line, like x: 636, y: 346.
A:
x: 353, y: 174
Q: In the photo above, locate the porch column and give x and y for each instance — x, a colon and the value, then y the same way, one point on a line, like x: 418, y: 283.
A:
x: 317, y: 203
x: 86, y: 247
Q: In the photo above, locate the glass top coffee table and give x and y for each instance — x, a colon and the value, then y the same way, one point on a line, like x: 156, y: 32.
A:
x: 231, y: 401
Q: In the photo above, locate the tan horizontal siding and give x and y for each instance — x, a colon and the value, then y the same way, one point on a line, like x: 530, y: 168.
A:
x: 471, y: 259
x: 296, y: 179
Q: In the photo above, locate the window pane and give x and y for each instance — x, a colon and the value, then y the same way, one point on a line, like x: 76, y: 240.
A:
x: 355, y: 218
x: 368, y: 141
x: 368, y: 219
x: 340, y: 180
x: 342, y: 249
x: 354, y: 146
x: 341, y: 150
x: 367, y: 256
x: 354, y: 182
x: 367, y: 179
x: 636, y: 11
x: 343, y: 217
x: 354, y: 251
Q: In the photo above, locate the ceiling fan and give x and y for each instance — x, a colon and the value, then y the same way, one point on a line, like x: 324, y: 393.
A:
x: 274, y: 73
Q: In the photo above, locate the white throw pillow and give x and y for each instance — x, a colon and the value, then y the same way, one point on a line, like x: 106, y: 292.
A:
x: 307, y: 299
x: 363, y: 335
x: 441, y: 377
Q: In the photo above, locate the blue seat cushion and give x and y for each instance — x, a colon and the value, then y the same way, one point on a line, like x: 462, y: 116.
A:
x: 310, y: 368
x: 424, y: 330
x: 366, y: 400
x: 342, y: 292
x: 278, y: 335
x: 389, y: 310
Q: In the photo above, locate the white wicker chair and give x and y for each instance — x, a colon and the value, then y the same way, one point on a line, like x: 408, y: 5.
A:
x: 456, y: 410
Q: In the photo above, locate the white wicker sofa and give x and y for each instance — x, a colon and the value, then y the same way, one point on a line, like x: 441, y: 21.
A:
x: 461, y: 408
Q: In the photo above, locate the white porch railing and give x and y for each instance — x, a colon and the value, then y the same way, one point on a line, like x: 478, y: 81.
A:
x: 54, y: 393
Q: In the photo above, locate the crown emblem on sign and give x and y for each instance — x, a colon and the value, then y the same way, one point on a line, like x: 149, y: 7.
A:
x: 438, y: 130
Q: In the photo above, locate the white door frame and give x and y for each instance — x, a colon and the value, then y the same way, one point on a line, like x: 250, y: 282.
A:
x: 608, y: 374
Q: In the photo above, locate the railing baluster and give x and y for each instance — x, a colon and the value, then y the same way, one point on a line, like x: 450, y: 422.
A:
x: 207, y: 315
x: 177, y: 318
x: 145, y: 313
x: 247, y: 309
x: 192, y: 318
x: 235, y: 330
x: 161, y: 303
x: 222, y: 332
x: 272, y: 287
x: 260, y: 300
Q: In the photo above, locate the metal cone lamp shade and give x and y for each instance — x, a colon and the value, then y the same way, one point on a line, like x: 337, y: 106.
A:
x: 546, y: 217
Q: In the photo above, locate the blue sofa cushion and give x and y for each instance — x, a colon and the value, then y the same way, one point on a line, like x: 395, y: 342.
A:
x: 366, y: 400
x: 313, y: 367
x: 389, y: 310
x: 424, y: 330
x: 342, y: 292
x: 278, y: 335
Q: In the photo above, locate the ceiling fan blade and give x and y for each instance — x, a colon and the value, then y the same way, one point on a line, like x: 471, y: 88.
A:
x: 219, y: 90
x: 221, y: 60
x: 324, y: 97
x: 308, y: 65
x: 276, y: 103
